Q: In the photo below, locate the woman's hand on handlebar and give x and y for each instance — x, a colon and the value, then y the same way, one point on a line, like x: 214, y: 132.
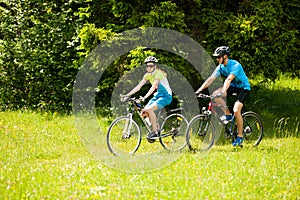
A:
x: 124, y: 97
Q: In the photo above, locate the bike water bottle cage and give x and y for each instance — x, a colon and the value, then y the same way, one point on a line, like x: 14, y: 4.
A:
x: 210, y: 106
x: 139, y: 105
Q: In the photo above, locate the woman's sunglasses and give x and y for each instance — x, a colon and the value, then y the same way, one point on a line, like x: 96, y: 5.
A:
x: 151, y: 65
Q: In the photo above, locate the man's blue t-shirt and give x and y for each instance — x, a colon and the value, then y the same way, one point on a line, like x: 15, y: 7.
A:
x: 235, y: 68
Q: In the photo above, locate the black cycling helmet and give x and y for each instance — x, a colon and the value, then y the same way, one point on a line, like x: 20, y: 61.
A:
x: 222, y: 50
x: 150, y: 59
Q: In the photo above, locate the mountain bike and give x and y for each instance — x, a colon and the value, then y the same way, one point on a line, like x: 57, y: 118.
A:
x: 201, y: 130
x: 124, y: 133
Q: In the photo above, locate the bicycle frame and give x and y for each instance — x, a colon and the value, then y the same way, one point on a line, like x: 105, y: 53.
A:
x: 135, y: 107
x: 212, y: 109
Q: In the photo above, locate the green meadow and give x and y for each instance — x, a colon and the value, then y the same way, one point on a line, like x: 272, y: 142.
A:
x: 43, y: 157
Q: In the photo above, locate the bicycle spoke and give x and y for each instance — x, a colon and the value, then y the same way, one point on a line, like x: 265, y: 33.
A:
x: 253, y: 128
x: 172, y: 135
x: 123, y: 136
x: 200, y: 134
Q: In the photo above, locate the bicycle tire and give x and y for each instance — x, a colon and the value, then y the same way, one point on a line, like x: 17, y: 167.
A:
x: 123, y: 146
x: 253, y: 129
x: 172, y: 137
x: 200, y: 133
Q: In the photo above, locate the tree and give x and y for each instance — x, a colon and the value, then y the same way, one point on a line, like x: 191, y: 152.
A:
x: 38, y: 48
x: 42, y: 44
x: 129, y: 15
x: 260, y: 37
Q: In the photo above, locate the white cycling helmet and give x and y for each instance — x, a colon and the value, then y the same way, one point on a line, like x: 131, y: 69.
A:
x: 222, y: 50
x: 150, y: 59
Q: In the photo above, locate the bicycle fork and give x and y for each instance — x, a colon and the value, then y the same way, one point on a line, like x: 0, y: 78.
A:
x: 203, y: 130
x: 128, y: 125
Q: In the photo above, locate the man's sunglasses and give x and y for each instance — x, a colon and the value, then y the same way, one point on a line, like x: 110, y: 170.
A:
x: 218, y: 57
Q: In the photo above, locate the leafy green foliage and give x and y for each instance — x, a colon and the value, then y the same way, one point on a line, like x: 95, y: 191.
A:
x: 38, y: 46
x: 42, y: 44
x: 166, y: 15
x: 260, y: 40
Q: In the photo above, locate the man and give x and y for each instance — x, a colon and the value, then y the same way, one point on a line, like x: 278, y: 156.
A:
x: 236, y: 81
x: 162, y: 96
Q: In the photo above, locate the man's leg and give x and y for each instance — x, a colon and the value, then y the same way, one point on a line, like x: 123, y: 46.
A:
x: 221, y: 101
x: 237, y: 109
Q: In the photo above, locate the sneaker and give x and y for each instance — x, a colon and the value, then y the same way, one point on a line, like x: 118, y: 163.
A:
x: 229, y: 117
x: 226, y: 118
x: 238, y: 141
x: 153, y: 135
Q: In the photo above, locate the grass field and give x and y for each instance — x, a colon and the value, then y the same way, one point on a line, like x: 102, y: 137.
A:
x: 42, y: 157
x: 278, y: 104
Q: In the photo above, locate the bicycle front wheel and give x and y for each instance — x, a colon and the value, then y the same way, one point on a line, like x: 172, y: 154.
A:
x: 252, y: 128
x: 172, y: 135
x: 200, y: 133
x: 123, y: 136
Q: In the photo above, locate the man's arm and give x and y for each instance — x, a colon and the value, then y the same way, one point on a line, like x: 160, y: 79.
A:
x: 207, y: 83
x: 227, y: 83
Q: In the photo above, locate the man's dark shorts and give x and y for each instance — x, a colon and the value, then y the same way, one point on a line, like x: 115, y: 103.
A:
x: 242, y: 94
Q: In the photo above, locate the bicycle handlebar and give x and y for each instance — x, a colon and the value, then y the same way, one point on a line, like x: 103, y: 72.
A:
x: 204, y: 96
x: 137, y: 102
x: 133, y: 99
x: 124, y: 98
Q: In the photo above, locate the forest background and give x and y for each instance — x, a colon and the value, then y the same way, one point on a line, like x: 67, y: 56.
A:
x: 43, y: 43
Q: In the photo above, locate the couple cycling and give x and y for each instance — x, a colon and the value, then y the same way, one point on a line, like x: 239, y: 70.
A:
x: 236, y: 81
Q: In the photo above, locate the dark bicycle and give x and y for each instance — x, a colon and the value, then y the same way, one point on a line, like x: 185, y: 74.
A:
x: 200, y: 133
x: 124, y: 134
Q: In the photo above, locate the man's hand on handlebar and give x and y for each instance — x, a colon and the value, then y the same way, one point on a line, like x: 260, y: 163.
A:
x: 197, y: 93
x: 221, y: 94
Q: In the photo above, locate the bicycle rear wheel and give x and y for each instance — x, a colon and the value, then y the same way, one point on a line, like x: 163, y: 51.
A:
x: 200, y: 133
x: 123, y: 136
x: 252, y: 128
x: 173, y: 132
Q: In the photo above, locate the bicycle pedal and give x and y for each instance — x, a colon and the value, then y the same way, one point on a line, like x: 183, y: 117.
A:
x: 126, y: 136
